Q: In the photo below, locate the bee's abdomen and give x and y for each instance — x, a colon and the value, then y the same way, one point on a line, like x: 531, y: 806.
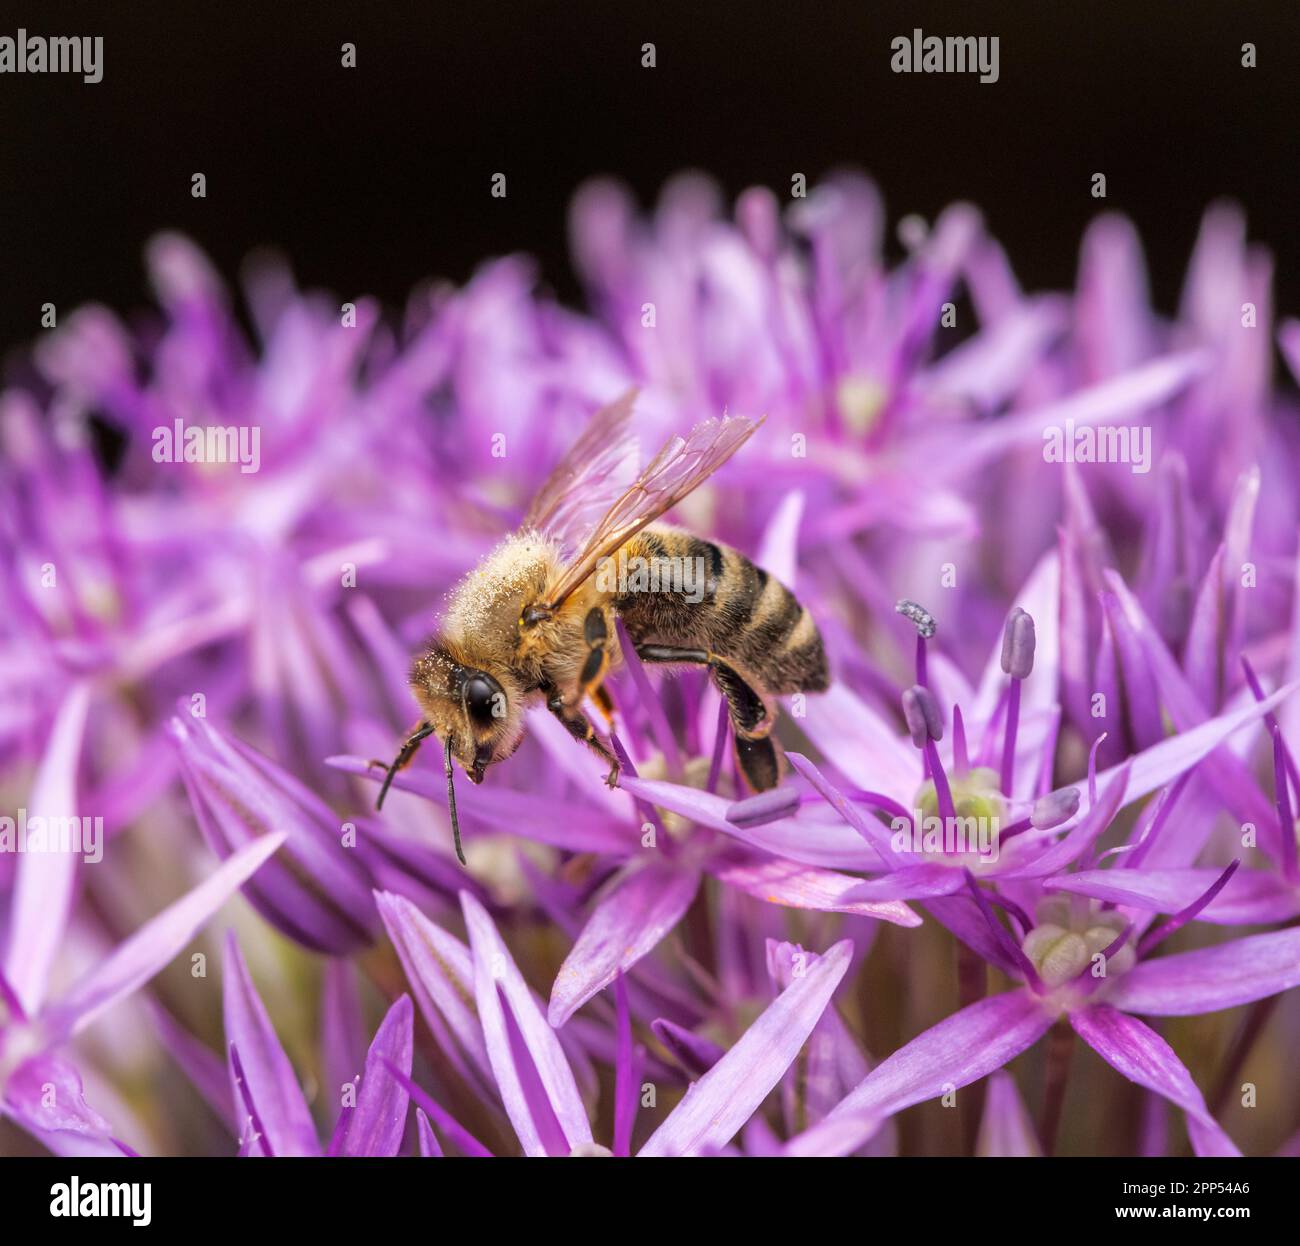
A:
x: 743, y: 614
x: 764, y: 626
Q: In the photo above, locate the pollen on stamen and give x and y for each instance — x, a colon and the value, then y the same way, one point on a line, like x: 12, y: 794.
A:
x: 919, y: 615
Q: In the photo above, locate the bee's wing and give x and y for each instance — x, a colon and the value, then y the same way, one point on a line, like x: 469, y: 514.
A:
x: 589, y: 478
x: 680, y: 467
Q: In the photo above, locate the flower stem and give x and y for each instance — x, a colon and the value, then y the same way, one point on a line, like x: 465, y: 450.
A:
x: 1060, y: 1047
x: 1248, y: 1032
x: 1009, y: 739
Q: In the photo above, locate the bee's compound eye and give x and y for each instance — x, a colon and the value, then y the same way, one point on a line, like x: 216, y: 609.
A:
x: 481, y: 697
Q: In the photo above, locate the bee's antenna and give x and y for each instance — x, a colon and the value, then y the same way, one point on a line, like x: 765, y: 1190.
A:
x: 407, y: 751
x: 451, y: 803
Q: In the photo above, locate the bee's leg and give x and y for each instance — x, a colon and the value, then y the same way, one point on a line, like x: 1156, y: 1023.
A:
x: 403, y: 759
x: 759, y: 762
x: 757, y: 755
x: 595, y: 632
x: 749, y: 712
x: 578, y: 725
x: 604, y: 703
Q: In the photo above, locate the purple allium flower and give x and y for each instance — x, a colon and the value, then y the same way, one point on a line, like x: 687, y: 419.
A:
x: 1052, y: 555
x: 985, y: 1036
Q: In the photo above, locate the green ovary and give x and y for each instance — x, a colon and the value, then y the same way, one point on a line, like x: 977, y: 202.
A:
x: 974, y: 795
x: 1068, y: 938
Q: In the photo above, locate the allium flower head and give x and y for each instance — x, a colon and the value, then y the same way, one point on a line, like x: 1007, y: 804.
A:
x: 1051, y: 553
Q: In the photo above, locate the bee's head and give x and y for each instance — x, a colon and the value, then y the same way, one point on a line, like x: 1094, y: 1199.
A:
x: 478, y: 713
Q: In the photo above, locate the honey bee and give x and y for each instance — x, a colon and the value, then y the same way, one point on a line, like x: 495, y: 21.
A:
x: 535, y: 621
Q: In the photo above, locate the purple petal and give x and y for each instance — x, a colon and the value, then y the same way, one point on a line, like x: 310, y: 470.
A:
x: 26, y: 1095
x: 833, y: 1063
x: 722, y: 1100
x: 696, y: 1054
x: 465, y: 1142
x: 205, y: 1069
x: 1189, y: 983
x: 43, y: 882
x: 638, y: 909
x: 912, y: 882
x: 860, y: 744
x: 806, y: 887
x: 1072, y: 846
x: 253, y: 1141
x: 440, y: 971
x: 1164, y: 762
x: 778, y: 554
x: 1252, y: 897
x: 1232, y: 778
x: 573, y: 827
x: 376, y: 1125
x: 534, y: 1077
x: 835, y: 1135
x: 1054, y: 809
x: 163, y: 937
x: 626, y: 1079
x: 268, y: 1080
x: 986, y: 368
x: 1140, y: 695
x: 1137, y: 1051
x: 318, y: 893
x: 819, y: 837
x: 342, y: 1040
x: 1203, y: 657
x: 1138, y: 389
x: 961, y: 1049
x: 429, y: 1147
x: 1006, y: 1130
x: 870, y: 828
x: 960, y: 914
x: 402, y: 864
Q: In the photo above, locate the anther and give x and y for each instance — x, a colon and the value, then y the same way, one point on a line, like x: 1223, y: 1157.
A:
x: 919, y: 615
x: 1018, y: 645
x: 1054, y: 808
x: 766, y: 807
x: 921, y: 712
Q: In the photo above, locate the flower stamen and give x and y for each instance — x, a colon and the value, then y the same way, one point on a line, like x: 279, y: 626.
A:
x: 1018, y: 662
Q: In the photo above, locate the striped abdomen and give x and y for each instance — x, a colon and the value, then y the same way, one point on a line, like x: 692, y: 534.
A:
x: 697, y: 593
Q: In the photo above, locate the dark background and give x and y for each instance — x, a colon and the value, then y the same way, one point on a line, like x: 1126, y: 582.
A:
x: 373, y: 178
